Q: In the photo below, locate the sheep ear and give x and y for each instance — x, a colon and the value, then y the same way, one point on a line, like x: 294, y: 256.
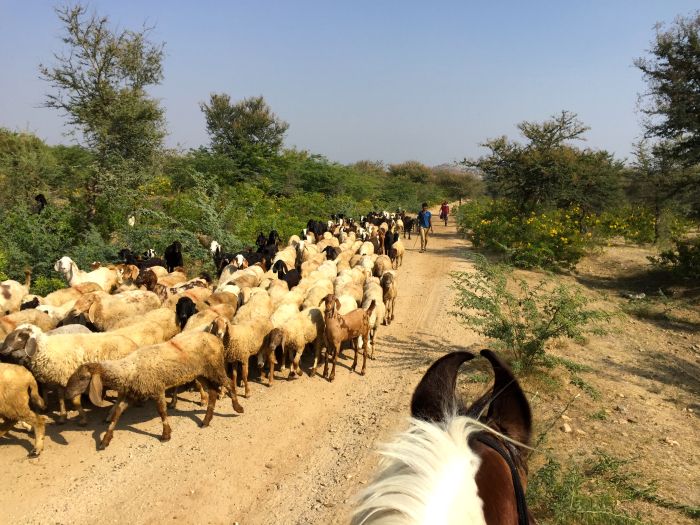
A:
x: 434, y: 397
x: 337, y: 303
x: 30, y: 347
x: 92, y: 312
x: 95, y: 391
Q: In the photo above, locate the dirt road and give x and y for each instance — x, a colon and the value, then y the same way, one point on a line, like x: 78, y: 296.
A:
x: 297, y: 455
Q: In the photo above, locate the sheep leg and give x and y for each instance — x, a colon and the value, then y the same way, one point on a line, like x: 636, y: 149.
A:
x: 271, y: 365
x: 38, y: 423
x: 62, y: 414
x: 6, y: 426
x: 203, y: 394
x: 365, y: 350
x: 296, y: 367
x: 173, y: 400
x: 82, y: 420
x: 230, y: 385
x: 162, y: 407
x: 122, y: 404
x: 372, y: 334
x: 317, y: 356
x: 245, y: 378
x: 210, y: 407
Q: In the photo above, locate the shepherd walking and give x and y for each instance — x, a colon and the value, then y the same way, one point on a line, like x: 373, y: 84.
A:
x: 444, y: 211
x: 424, y: 224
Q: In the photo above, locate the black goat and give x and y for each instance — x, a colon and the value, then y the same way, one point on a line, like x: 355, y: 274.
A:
x: 41, y: 202
x: 173, y: 256
x: 291, y: 277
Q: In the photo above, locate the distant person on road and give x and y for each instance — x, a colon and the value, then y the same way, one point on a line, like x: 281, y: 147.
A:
x: 444, y: 211
x: 424, y: 224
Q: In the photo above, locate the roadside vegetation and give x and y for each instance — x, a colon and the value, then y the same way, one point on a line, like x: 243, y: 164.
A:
x: 550, y: 204
x: 243, y: 182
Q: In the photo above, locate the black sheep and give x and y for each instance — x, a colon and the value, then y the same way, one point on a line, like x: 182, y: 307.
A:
x: 184, y: 309
x: 173, y: 256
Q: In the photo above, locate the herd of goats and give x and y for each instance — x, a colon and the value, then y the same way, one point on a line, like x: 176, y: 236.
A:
x: 142, y: 328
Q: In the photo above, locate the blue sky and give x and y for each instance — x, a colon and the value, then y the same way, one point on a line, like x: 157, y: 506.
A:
x: 380, y: 80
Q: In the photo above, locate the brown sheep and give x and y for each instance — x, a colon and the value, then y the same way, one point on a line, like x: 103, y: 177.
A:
x: 18, y: 389
x: 390, y: 290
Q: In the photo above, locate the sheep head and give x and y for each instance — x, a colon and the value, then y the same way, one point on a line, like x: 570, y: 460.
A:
x: 220, y: 328
x: 14, y: 348
x: 148, y: 279
x: 63, y: 265
x: 127, y: 272
x: 87, y: 377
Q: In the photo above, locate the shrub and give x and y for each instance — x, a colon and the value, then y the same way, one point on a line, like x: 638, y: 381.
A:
x: 546, y: 238
x: 522, y: 321
x: 683, y: 260
x: 45, y: 285
x: 638, y: 224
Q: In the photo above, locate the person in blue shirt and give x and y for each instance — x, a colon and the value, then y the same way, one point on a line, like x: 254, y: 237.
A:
x: 424, y: 224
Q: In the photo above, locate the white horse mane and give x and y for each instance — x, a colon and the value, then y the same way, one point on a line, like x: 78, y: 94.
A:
x: 427, y: 476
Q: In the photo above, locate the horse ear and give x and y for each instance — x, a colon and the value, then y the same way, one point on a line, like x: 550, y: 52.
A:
x: 509, y: 408
x: 434, y: 397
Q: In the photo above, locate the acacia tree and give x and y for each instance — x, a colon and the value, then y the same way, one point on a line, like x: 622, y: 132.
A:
x: 100, y: 83
x: 672, y: 73
x: 247, y: 131
x: 530, y: 174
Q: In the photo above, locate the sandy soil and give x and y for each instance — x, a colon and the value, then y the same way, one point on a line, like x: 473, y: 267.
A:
x: 304, y: 448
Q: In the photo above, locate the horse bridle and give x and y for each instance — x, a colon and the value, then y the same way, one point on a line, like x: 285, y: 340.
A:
x: 505, y: 450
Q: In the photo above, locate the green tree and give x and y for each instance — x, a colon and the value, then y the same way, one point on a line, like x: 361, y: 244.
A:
x: 672, y: 73
x: 247, y: 131
x: 411, y: 170
x: 458, y: 184
x: 547, y: 170
x: 100, y: 83
x: 532, y: 174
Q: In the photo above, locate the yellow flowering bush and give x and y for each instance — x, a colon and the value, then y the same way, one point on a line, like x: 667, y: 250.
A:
x: 550, y: 238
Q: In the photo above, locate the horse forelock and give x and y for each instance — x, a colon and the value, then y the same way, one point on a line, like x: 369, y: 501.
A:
x: 427, y: 475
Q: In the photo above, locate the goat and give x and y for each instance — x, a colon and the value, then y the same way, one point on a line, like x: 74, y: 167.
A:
x: 173, y: 256
x: 340, y: 328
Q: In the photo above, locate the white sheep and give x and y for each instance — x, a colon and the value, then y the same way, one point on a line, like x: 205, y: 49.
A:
x: 54, y: 358
x: 8, y: 323
x: 106, y: 278
x: 305, y: 327
x: 151, y: 370
x: 241, y: 341
x: 12, y: 293
x: 373, y: 292
x: 18, y: 390
x: 104, y: 311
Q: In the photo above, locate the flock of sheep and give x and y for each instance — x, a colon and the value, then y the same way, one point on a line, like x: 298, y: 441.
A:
x: 140, y: 330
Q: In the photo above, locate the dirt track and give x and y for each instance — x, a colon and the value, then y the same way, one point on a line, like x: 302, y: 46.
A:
x: 297, y: 455
x: 304, y: 448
